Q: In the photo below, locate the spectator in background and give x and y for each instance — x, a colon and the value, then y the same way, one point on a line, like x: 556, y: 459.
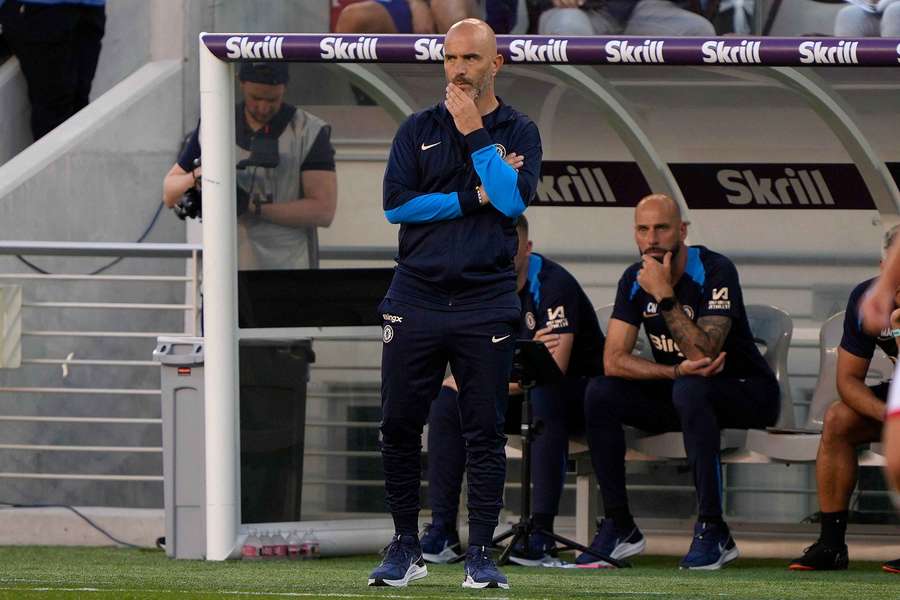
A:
x: 879, y: 18
x: 423, y: 17
x: 615, y: 17
x: 57, y: 43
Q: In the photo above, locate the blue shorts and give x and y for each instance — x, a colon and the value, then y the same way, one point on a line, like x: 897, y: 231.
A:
x: 400, y: 14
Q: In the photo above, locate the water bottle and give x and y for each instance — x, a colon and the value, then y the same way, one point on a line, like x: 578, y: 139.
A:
x: 309, y: 548
x: 279, y: 543
x: 267, y: 549
x: 293, y: 544
x: 250, y: 550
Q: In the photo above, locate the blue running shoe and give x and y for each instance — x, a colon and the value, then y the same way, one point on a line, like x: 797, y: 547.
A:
x: 481, y: 571
x: 712, y: 548
x: 439, y: 545
x: 401, y: 564
x: 614, y: 543
x: 541, y: 549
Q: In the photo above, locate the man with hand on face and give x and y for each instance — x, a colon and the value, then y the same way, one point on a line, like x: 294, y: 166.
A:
x: 453, y: 296
x: 557, y: 312
x: 707, y: 374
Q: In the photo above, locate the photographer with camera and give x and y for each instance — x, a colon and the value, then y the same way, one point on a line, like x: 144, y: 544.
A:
x: 286, y: 179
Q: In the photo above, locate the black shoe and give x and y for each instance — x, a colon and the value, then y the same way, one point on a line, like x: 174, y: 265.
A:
x: 820, y: 557
x: 891, y: 566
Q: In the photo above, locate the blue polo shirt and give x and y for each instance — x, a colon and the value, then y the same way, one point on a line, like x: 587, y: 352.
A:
x: 709, y: 286
x: 552, y: 297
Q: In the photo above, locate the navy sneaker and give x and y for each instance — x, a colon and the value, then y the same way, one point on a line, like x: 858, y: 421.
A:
x: 401, y: 564
x: 439, y: 545
x: 541, y: 548
x: 613, y: 543
x: 712, y: 548
x: 481, y: 571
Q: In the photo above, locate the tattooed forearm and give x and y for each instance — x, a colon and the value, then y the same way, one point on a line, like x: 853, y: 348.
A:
x: 705, y: 338
x: 716, y: 329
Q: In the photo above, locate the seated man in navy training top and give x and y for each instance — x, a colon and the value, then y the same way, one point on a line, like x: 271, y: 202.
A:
x: 857, y: 418
x: 453, y: 297
x: 556, y: 311
x: 708, y: 374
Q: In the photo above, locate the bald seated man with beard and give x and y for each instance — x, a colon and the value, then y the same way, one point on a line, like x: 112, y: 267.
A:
x: 458, y: 176
x: 707, y: 374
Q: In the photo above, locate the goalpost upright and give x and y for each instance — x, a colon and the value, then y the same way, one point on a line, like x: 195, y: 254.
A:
x: 218, y: 52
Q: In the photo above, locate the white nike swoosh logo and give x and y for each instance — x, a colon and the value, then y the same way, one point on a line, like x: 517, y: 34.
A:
x: 424, y: 147
x: 496, y: 339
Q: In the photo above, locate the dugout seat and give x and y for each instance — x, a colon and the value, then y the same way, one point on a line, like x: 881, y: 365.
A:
x: 801, y: 445
x: 772, y: 329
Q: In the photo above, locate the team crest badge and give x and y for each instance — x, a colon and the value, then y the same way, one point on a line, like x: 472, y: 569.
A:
x: 530, y: 323
x: 501, y: 150
x: 689, y: 312
x: 388, y: 334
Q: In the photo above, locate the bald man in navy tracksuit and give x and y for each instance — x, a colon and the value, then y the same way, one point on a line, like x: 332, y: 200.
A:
x: 458, y: 175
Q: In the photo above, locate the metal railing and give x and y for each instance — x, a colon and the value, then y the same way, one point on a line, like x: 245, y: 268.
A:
x: 37, y: 339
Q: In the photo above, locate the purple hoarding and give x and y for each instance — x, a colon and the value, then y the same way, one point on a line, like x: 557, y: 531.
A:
x: 769, y: 51
x: 821, y: 186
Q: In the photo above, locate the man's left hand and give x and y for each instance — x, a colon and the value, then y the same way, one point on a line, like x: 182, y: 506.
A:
x: 655, y: 278
x: 550, y: 339
x: 463, y: 110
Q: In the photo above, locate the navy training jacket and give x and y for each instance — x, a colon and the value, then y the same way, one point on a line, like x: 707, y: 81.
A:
x: 453, y: 252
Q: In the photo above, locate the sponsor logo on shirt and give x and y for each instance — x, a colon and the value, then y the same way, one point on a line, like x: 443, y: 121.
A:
x: 720, y: 299
x: 391, y: 318
x: 335, y: 48
x: 663, y: 343
x: 556, y: 317
x: 651, y: 311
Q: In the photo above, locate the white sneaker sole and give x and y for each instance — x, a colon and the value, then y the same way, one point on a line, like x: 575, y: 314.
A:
x: 471, y: 583
x: 529, y: 562
x: 445, y: 556
x: 414, y: 572
x: 726, y: 558
x: 619, y: 552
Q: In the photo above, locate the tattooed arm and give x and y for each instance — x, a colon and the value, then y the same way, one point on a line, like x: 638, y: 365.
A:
x: 703, y: 339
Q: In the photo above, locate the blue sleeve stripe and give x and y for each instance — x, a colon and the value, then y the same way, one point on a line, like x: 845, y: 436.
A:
x: 426, y: 209
x: 499, y: 180
x: 535, y: 264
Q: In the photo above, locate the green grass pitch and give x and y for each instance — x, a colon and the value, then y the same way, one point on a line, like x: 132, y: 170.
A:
x: 104, y: 573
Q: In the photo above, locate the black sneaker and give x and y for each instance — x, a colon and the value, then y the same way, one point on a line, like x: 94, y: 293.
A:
x: 892, y: 566
x: 820, y: 557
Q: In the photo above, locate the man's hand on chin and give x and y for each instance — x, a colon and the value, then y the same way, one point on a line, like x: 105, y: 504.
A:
x: 463, y: 110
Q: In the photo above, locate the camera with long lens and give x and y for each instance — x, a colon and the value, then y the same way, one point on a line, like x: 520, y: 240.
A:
x: 263, y: 153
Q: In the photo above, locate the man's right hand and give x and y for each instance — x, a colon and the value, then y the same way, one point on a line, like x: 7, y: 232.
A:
x: 702, y: 367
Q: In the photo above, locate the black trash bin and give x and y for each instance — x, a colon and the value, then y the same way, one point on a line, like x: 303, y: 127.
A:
x: 273, y: 379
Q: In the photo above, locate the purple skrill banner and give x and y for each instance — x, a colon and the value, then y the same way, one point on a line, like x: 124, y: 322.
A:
x: 824, y: 186
x: 590, y: 183
x: 770, y: 51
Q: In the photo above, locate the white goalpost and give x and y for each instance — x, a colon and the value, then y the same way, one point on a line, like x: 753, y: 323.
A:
x: 218, y: 54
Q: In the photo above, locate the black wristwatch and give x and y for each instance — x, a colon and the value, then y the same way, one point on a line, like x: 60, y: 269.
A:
x: 667, y: 304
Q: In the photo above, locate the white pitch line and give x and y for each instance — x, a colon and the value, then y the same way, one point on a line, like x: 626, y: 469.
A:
x: 234, y: 593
